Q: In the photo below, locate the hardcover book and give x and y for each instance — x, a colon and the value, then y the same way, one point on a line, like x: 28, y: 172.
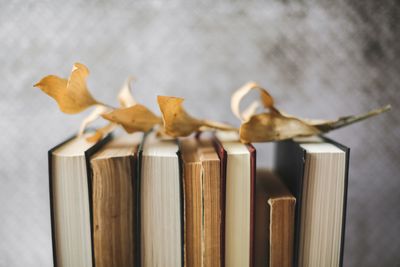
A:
x: 238, y: 166
x: 70, y: 201
x: 114, y: 202
x: 316, y: 172
x: 274, y: 226
x: 203, y: 202
x: 161, y: 203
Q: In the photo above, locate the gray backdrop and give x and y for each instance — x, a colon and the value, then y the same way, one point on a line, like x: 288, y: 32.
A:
x: 320, y: 59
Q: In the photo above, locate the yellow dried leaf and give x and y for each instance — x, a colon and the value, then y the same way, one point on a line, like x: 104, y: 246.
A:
x: 265, y: 127
x: 276, y: 125
x: 137, y: 118
x: 72, y: 95
x: 266, y: 100
x: 178, y: 123
x: 98, y: 135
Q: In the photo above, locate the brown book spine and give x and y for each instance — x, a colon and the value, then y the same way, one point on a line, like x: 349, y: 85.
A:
x: 193, y: 213
x: 222, y: 154
x: 212, y: 209
x: 113, y: 202
x: 281, y: 230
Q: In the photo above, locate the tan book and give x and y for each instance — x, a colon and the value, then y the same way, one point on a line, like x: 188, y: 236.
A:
x: 114, y: 192
x: 203, y: 203
x: 274, y: 227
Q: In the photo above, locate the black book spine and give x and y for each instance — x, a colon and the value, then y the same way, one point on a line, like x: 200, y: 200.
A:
x: 289, y: 165
x: 138, y: 239
x: 88, y: 154
x: 181, y: 202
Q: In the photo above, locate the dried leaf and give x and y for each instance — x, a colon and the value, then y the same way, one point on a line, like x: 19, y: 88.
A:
x: 177, y: 122
x: 72, y: 95
x: 98, y: 135
x: 265, y: 127
x: 125, y: 97
x: 266, y: 100
x: 137, y: 118
x: 327, y: 126
x: 99, y: 110
x: 160, y: 133
x: 276, y: 125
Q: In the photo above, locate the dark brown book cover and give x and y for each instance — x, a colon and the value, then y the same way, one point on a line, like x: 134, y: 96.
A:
x: 290, y: 159
x: 223, y: 158
x: 114, y: 204
x: 274, y: 223
x: 88, y: 154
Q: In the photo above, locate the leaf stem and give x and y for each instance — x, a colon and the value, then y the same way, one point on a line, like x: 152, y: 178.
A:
x: 344, y: 121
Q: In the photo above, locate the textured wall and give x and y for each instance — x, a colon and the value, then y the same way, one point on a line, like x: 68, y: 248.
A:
x: 319, y: 59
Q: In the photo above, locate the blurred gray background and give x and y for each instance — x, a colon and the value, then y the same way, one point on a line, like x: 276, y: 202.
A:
x: 320, y: 59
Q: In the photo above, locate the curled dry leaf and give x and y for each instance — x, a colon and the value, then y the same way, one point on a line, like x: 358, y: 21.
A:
x: 72, y: 95
x: 132, y: 117
x: 98, y: 135
x: 266, y: 100
x: 275, y: 125
x: 137, y: 118
x: 125, y: 97
x: 94, y: 115
x: 266, y: 127
x: 177, y: 122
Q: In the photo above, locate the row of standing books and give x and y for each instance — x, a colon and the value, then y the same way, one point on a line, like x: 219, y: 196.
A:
x: 137, y: 200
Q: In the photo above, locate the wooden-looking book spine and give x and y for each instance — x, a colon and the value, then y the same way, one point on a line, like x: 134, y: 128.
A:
x: 202, y: 194
x: 281, y: 232
x: 223, y: 157
x: 88, y: 154
x: 114, y: 209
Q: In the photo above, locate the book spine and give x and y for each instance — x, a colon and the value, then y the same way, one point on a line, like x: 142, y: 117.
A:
x: 222, y: 154
x: 289, y: 165
x: 88, y: 154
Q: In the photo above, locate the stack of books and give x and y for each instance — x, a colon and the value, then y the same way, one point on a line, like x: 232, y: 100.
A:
x: 137, y: 200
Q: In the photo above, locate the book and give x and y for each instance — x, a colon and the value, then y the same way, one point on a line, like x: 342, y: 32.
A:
x: 316, y: 172
x: 70, y: 198
x: 274, y: 223
x: 203, y: 202
x: 161, y: 203
x: 238, y: 167
x: 114, y: 202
